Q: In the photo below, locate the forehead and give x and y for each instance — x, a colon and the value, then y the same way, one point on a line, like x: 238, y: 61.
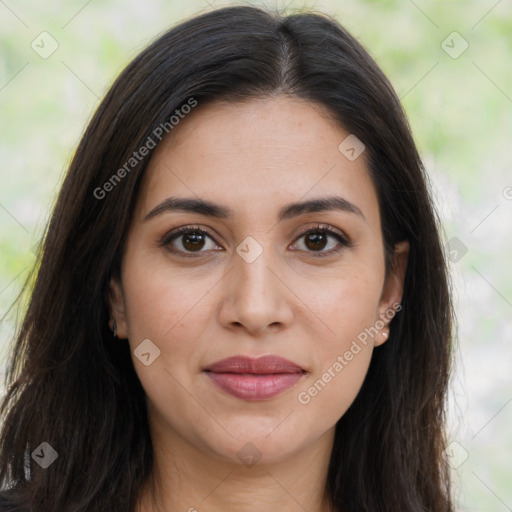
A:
x: 254, y: 156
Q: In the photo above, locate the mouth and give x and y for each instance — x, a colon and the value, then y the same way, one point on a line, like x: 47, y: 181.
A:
x: 250, y: 378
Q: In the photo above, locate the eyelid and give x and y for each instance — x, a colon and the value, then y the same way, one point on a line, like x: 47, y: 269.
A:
x: 323, y: 227
x: 342, y: 238
x: 175, y: 233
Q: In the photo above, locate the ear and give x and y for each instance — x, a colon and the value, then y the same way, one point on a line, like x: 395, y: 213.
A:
x: 117, y: 307
x: 392, y: 291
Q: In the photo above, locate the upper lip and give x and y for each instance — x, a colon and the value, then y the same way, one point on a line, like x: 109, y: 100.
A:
x: 256, y: 365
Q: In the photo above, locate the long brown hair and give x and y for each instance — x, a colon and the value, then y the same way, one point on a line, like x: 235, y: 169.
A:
x: 70, y: 385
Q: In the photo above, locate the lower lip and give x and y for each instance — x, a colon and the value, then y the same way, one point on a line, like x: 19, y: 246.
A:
x: 252, y: 386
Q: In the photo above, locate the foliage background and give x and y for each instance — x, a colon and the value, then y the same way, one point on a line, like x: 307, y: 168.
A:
x: 460, y: 113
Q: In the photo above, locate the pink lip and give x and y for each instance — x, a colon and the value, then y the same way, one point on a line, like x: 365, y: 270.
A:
x: 254, y: 378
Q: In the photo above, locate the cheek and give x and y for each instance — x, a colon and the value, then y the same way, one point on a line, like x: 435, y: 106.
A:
x: 341, y: 360
x: 161, y: 299
x: 345, y: 303
x: 164, y: 306
x: 348, y: 307
x: 329, y: 393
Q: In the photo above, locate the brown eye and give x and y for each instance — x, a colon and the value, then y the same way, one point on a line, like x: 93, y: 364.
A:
x: 317, y: 239
x: 189, y: 240
x: 193, y: 241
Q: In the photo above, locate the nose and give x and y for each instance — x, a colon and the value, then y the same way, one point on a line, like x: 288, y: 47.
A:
x: 256, y: 298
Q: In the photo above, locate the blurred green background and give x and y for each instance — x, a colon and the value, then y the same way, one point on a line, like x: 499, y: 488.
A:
x: 450, y: 63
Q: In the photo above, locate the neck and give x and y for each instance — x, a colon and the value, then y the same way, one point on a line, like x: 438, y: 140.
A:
x: 187, y: 479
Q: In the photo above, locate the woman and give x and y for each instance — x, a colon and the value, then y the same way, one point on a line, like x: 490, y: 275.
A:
x: 242, y: 299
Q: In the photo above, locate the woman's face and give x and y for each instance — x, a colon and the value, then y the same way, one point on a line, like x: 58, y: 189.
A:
x: 253, y: 284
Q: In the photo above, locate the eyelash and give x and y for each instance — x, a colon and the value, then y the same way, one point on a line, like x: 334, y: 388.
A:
x: 320, y: 228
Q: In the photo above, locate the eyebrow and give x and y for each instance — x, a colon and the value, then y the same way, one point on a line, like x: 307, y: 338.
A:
x: 288, y: 211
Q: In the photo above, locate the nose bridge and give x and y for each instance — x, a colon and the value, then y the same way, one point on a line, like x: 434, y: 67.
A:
x: 252, y: 264
x: 256, y: 296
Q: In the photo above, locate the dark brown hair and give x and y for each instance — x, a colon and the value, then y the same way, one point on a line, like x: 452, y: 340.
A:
x: 70, y: 385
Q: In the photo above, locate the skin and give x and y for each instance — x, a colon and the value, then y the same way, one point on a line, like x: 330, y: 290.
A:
x: 253, y: 157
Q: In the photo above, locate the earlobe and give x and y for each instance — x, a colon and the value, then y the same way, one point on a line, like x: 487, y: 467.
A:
x: 393, y: 290
x: 116, y: 306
